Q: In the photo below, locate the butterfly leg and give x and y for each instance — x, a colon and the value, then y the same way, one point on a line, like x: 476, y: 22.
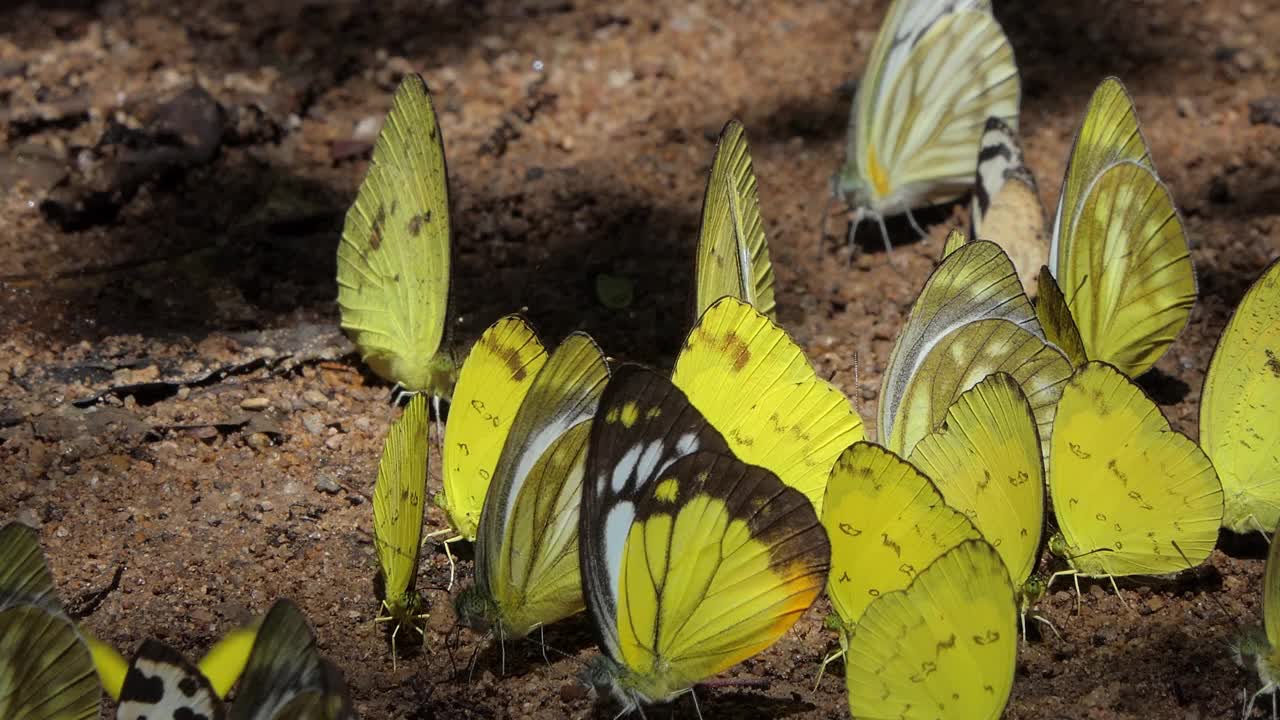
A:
x: 1045, y: 621
x: 697, y: 710
x: 853, y: 233
x: 542, y: 642
x: 888, y: 246
x: 1116, y: 587
x: 825, y: 662
x: 1049, y: 583
x: 915, y: 225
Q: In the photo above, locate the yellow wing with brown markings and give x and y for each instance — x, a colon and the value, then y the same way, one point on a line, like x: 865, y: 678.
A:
x: 394, y: 258
x: 1131, y: 495
x: 492, y: 383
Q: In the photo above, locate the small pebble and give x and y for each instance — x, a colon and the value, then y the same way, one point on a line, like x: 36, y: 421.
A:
x: 313, y: 423
x: 255, y: 403
x: 315, y: 397
x: 325, y: 484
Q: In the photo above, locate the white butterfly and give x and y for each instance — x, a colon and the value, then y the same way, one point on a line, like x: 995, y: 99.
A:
x: 937, y: 71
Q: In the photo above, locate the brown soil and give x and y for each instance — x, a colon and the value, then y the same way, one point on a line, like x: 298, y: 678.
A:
x: 593, y: 164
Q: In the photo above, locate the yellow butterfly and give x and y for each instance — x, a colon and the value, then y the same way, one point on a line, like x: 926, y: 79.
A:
x: 943, y: 647
x: 283, y: 678
x: 1118, y: 250
x: 1261, y: 646
x: 1006, y: 203
x: 986, y: 460
x: 46, y: 669
x: 937, y: 71
x: 1131, y: 495
x: 493, y: 381
x: 398, y: 501
x: 887, y: 522
x: 754, y: 384
x: 394, y: 258
x: 733, y: 257
x: 527, y: 548
x: 692, y: 561
x: 1240, y: 409
x: 971, y: 319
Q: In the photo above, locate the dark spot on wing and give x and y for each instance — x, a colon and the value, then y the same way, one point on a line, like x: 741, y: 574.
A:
x: 375, y: 232
x: 510, y: 356
x: 417, y: 221
x: 1273, y: 363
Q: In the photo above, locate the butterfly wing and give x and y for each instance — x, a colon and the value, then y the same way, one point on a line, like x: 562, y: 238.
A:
x: 796, y: 431
x: 493, y: 381
x: 1109, y: 134
x: 733, y: 257
x: 720, y: 560
x: 286, y: 675
x: 394, y: 257
x: 226, y: 660
x: 985, y: 459
x: 1056, y: 321
x: 887, y: 522
x: 162, y: 683
x: 964, y: 357
x: 645, y: 423
x: 1240, y: 407
x: 754, y: 384
x: 733, y: 345
x: 526, y: 552
x: 946, y: 646
x: 1125, y: 486
x: 398, y: 500
x: 46, y: 672
x: 1271, y: 594
x: 944, y: 69
x: 976, y: 282
x: 1125, y: 271
x: 24, y: 574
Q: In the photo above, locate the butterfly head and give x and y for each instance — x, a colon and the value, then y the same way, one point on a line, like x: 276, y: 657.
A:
x: 1031, y: 592
x: 605, y: 676
x: 476, y: 609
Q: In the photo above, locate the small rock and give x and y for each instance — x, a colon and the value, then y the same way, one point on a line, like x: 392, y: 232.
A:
x: 313, y: 423
x: 291, y: 488
x: 325, y: 484
x: 1155, y: 603
x: 363, y: 424
x: 1265, y: 111
x: 29, y: 517
x: 1186, y: 108
x: 265, y: 506
x: 315, y: 398
x: 367, y: 129
x: 255, y: 403
x: 61, y: 532
x: 621, y: 78
x: 259, y: 440
x: 335, y: 442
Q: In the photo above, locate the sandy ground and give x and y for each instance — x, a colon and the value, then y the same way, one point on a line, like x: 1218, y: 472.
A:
x: 579, y: 137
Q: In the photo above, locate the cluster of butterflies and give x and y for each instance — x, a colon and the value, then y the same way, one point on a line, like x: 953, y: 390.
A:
x: 697, y: 514
x: 55, y: 670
